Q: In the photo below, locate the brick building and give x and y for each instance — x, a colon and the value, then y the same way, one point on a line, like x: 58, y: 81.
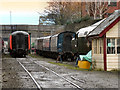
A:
x: 112, y: 6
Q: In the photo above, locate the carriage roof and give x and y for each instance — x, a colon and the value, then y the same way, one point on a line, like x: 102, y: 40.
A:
x: 43, y: 37
x: 23, y: 32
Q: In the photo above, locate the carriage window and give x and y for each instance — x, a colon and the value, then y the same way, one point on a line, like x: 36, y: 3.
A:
x: 118, y: 46
x: 110, y: 46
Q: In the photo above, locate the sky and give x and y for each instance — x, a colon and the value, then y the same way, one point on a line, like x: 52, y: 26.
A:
x: 21, y: 11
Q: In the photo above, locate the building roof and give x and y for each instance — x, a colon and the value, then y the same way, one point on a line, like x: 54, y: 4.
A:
x: 106, y: 25
x: 84, y: 31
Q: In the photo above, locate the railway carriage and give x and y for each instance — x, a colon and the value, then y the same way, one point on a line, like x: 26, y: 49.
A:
x: 0, y: 44
x: 59, y: 43
x: 42, y: 46
x: 19, y: 43
x: 39, y: 45
x: 46, y: 43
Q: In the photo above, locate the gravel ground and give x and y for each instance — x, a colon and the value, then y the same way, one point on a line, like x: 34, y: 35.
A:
x: 15, y: 77
x: 44, y: 77
x: 93, y: 79
x: 0, y: 71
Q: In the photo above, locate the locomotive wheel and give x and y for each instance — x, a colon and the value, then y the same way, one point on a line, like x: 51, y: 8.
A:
x: 24, y: 56
x: 13, y: 55
x: 69, y: 59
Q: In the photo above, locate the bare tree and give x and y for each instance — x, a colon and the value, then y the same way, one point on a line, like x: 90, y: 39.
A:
x: 97, y: 9
x: 64, y: 11
x: 103, y: 8
x: 55, y: 11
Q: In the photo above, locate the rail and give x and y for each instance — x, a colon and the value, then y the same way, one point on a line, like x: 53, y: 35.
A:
x: 38, y: 86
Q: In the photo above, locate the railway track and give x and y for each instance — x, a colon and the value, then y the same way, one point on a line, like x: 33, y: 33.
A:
x: 36, y: 83
x: 28, y: 65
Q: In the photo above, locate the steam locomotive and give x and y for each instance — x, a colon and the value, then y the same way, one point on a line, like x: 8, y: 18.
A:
x: 19, y: 44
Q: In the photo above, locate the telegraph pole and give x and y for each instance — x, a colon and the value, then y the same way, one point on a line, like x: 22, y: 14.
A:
x: 39, y: 16
x: 10, y: 18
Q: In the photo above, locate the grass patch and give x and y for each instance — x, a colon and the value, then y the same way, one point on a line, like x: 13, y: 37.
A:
x: 99, y: 69
x: 117, y: 70
x: 68, y: 66
x: 39, y: 57
x: 59, y: 64
x: 35, y: 56
x: 113, y: 70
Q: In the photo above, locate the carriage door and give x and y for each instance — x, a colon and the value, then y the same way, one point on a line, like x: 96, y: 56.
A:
x: 67, y: 43
x: 20, y: 41
x: 60, y: 43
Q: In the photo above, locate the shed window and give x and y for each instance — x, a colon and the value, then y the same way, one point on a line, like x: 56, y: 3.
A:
x: 101, y: 46
x: 110, y: 46
x: 95, y: 46
x: 118, y: 46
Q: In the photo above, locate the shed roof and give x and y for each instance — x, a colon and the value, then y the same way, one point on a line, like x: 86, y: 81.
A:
x: 84, y: 31
x: 106, y: 25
